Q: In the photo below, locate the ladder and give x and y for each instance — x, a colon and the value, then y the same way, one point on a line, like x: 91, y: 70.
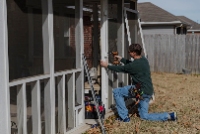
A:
x: 93, y: 94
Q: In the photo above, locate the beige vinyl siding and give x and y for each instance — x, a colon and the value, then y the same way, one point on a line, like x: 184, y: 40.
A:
x: 158, y: 29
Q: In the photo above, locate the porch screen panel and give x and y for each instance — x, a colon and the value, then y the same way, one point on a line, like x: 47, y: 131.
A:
x: 64, y: 36
x: 112, y: 30
x: 113, y: 47
x: 25, y: 42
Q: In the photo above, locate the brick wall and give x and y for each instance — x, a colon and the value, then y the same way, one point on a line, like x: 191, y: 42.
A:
x: 87, y: 38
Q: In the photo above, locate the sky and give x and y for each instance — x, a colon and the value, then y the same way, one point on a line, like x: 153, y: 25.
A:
x: 187, y: 8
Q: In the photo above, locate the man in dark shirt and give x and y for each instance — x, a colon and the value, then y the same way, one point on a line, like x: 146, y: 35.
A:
x: 139, y: 70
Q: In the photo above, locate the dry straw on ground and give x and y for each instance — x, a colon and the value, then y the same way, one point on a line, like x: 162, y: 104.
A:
x: 174, y: 92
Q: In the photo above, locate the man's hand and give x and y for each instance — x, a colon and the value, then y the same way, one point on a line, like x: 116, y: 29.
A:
x: 104, y: 63
x: 118, y: 57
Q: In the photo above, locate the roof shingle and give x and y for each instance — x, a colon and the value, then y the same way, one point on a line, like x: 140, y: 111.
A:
x: 151, y: 13
x: 194, y: 25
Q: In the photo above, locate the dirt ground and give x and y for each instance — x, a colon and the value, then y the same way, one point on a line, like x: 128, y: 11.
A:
x: 174, y: 92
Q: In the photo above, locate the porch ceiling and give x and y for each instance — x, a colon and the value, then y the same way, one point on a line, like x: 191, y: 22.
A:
x: 87, y: 2
x: 63, y: 3
x: 109, y: 1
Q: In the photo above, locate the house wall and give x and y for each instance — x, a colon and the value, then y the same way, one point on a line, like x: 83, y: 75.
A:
x: 173, y: 53
x: 88, y: 39
x: 158, y: 29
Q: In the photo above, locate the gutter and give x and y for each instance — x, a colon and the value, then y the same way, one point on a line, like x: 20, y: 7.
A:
x: 158, y: 23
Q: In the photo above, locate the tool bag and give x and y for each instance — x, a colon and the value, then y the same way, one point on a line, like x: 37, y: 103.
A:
x: 136, y: 91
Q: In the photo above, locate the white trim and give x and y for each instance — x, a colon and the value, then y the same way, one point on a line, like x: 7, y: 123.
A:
x: 61, y: 104
x: 28, y: 80
x: 48, y: 61
x: 67, y: 72
x: 4, y: 79
x: 104, y: 51
x: 21, y: 109
x: 155, y: 23
x: 79, y: 82
x: 36, y: 107
x: 193, y: 30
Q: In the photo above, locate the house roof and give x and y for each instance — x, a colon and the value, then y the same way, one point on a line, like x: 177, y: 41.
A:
x: 193, y: 24
x: 150, y: 13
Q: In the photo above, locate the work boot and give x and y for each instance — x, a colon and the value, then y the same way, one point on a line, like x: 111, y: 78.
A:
x: 173, y: 116
x: 127, y: 119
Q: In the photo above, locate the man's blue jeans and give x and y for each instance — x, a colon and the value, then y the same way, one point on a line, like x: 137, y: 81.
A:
x: 143, y: 106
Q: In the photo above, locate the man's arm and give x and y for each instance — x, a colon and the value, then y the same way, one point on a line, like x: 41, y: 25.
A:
x: 123, y: 60
x: 128, y: 68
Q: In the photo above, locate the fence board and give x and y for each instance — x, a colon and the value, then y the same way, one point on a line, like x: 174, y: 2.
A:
x: 198, y: 54
x: 173, y: 53
x: 193, y: 54
x: 150, y: 53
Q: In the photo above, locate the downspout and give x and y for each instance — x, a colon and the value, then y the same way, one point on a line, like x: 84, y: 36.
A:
x: 177, y: 27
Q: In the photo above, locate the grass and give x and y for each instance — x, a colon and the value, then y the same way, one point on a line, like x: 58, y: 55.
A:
x: 174, y: 92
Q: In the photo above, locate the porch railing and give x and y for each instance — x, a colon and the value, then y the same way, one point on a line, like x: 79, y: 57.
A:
x: 65, y: 82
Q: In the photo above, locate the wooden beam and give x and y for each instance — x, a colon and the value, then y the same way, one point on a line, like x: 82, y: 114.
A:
x: 120, y: 37
x: 48, y: 63
x: 104, y: 51
x: 21, y: 109
x: 71, y: 100
x: 4, y: 71
x: 61, y: 105
x: 79, y: 41
x: 36, y: 109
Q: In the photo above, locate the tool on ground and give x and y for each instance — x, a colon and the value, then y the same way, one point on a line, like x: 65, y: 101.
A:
x: 93, y: 94
x: 137, y: 93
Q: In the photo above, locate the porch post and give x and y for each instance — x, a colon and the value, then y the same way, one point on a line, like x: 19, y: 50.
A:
x: 120, y: 37
x: 104, y: 51
x: 79, y: 41
x: 4, y: 79
x: 48, y: 61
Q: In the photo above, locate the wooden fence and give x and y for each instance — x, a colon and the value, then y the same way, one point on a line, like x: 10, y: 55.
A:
x: 173, y: 53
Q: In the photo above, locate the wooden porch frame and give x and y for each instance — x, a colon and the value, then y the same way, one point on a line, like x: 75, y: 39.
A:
x: 4, y: 79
